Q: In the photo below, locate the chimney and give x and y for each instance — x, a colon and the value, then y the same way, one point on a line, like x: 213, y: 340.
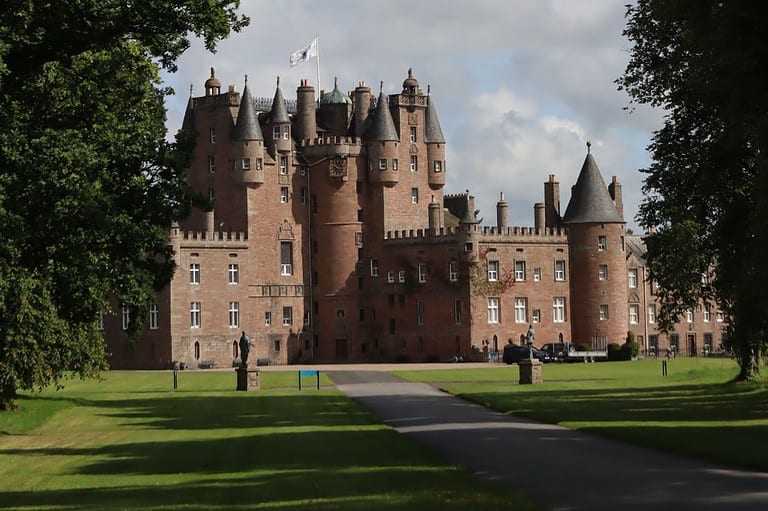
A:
x: 502, y: 212
x: 551, y: 202
x: 539, y: 216
x: 615, y: 190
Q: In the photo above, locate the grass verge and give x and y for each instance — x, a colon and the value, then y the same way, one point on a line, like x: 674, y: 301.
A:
x: 694, y: 411
x: 131, y: 442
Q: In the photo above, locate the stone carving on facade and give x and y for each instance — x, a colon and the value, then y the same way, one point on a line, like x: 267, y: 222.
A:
x: 285, y: 231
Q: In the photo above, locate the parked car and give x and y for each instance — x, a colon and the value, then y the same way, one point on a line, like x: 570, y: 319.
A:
x: 558, y: 350
x: 514, y: 354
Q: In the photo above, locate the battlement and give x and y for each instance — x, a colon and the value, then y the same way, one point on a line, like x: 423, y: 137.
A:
x: 554, y: 232
x: 410, y: 235
x: 214, y: 236
x: 330, y: 141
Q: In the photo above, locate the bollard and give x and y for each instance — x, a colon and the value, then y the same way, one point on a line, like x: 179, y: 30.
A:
x: 663, y: 367
x: 175, y: 378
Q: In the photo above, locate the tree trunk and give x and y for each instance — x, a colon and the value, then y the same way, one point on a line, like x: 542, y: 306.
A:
x: 751, y: 366
x: 7, y: 396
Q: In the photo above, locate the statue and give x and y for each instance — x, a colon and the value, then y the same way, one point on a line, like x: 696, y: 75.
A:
x: 529, y: 339
x: 245, y: 347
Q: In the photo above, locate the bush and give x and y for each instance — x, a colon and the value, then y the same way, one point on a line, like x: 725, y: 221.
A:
x: 614, y: 352
x: 629, y: 350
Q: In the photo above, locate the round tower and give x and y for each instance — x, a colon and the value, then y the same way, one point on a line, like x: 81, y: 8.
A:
x: 247, y: 143
x: 598, y: 269
x: 433, y: 136
x: 382, y: 142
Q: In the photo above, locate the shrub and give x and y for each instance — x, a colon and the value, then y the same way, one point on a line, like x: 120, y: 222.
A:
x: 614, y: 351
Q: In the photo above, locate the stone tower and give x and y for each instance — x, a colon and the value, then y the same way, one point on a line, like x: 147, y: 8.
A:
x: 598, y: 270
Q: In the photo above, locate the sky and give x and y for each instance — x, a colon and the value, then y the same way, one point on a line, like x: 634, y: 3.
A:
x: 519, y: 86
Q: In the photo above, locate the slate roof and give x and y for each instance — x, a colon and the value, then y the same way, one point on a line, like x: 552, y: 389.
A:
x: 590, y: 200
x: 382, y: 127
x: 189, y: 116
x: 279, y: 112
x: 432, y: 132
x: 247, y: 124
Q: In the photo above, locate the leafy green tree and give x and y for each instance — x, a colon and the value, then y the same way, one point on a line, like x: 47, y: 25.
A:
x: 705, y: 204
x: 88, y: 182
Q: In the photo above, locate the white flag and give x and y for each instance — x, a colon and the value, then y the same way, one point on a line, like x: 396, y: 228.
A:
x: 304, y: 54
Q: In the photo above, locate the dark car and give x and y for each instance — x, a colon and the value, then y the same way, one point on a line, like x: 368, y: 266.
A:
x: 514, y: 354
x: 558, y: 350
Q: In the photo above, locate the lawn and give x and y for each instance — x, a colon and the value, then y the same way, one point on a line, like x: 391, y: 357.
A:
x: 693, y: 411
x: 131, y: 442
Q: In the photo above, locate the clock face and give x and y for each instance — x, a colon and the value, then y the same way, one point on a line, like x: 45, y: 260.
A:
x: 338, y: 167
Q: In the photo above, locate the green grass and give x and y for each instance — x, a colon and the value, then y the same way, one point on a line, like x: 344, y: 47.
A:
x: 693, y: 411
x: 131, y: 442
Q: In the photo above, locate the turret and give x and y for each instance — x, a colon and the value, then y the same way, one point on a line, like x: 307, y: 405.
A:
x: 469, y: 233
x: 278, y: 123
x: 598, y: 268
x: 435, y: 216
x: 247, y: 142
x: 552, y: 202
x: 382, y: 141
x: 212, y: 85
x: 306, y: 123
x: 335, y: 111
x: 189, y: 114
x: 433, y: 136
x: 362, y: 107
x: 502, y: 212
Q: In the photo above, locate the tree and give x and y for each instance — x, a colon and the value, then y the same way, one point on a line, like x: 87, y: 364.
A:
x: 88, y: 182
x: 705, y: 204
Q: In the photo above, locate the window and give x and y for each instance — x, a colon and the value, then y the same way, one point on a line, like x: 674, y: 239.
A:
x: 401, y: 276
x: 212, y: 135
x: 154, y: 317
x: 308, y: 318
x: 652, y: 313
x: 413, y: 134
x: 453, y: 271
x: 414, y: 163
x: 536, y: 316
x: 258, y: 163
x: 246, y: 164
x: 414, y: 195
x: 457, y: 312
x: 374, y: 268
x: 283, y: 195
x: 211, y: 164
x: 268, y: 318
x: 558, y: 310
x: 719, y: 316
x: 632, y: 277
x: 233, y: 273
x: 634, y: 313
x: 468, y: 247
x: 197, y: 350
x: 303, y: 195
x: 276, y: 132
x: 602, y: 243
x: 493, y: 310
x: 276, y: 344
x: 194, y: 315
x: 602, y: 272
x: 521, y: 310
x: 688, y: 316
x: 286, y: 132
x: 559, y: 271
x: 420, y: 312
x: 211, y: 194
x: 382, y: 164
x: 287, y: 316
x: 286, y: 258
x: 283, y: 165
x: 537, y: 274
x: 390, y: 277
x: 394, y: 163
x: 234, y: 314
x: 707, y: 313
x: 603, y: 312
x: 194, y: 273
x: 422, y: 273
x: 126, y: 316
x: 493, y: 271
x: 438, y: 166
x: 519, y: 270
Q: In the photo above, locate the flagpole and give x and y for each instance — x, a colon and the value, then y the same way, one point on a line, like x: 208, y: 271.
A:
x: 317, y: 58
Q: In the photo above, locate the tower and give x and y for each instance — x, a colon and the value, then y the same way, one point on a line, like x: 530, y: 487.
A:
x: 598, y: 272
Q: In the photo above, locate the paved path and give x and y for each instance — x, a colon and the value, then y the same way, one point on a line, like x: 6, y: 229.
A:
x: 558, y: 468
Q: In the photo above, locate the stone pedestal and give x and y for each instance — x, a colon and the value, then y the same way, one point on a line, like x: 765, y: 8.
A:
x: 530, y: 372
x: 247, y: 379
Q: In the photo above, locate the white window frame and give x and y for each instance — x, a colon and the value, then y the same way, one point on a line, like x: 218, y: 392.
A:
x: 126, y: 316
x: 234, y: 314
x: 602, y: 272
x: 535, y: 315
x: 276, y: 133
x: 286, y: 130
x: 602, y: 243
x: 558, y: 309
x: 374, y: 267
x: 401, y: 276
x: 707, y: 313
x: 493, y: 310
x: 154, y: 317
x: 652, y: 313
x: 414, y: 195
x: 382, y: 164
x: 422, y: 273
x: 194, y: 273
x: 283, y: 195
x: 283, y: 166
x: 689, y: 316
x: 414, y: 163
x: 195, y: 314
x: 560, y: 270
x: 632, y: 278
x: 493, y: 271
x: 246, y: 164
x: 259, y: 163
x: 287, y: 316
x: 211, y: 164
x: 537, y: 274
x: 521, y: 310
x: 634, y: 313
x: 267, y: 318
x: 212, y: 135
x: 438, y: 166
x: 394, y: 163
x: 520, y: 270
x: 233, y: 273
x: 720, y: 316
x: 390, y: 277
x: 412, y: 134
x: 603, y: 314
x: 453, y: 271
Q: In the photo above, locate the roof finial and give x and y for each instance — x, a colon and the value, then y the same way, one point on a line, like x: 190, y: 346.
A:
x: 246, y: 80
x: 190, y: 90
x: 589, y: 146
x: 381, y: 87
x: 213, y: 72
x: 278, y: 81
x: 429, y: 89
x: 410, y: 72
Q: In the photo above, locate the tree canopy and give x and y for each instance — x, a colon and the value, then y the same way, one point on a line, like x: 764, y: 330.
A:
x: 705, y: 207
x: 88, y: 182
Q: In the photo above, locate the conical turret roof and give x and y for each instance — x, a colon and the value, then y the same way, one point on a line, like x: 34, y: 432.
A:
x: 383, y: 127
x: 279, y: 112
x: 432, y: 132
x: 590, y: 200
x: 189, y: 114
x: 247, y: 125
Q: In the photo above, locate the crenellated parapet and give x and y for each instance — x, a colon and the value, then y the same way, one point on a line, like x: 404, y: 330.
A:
x: 208, y: 239
x: 530, y: 232
x: 441, y: 235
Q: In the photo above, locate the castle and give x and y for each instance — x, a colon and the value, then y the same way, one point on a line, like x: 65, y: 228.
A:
x: 330, y: 239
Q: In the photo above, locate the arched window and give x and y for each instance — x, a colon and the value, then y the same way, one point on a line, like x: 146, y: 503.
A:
x: 197, y: 350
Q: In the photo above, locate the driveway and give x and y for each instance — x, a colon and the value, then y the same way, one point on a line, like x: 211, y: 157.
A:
x: 559, y: 468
